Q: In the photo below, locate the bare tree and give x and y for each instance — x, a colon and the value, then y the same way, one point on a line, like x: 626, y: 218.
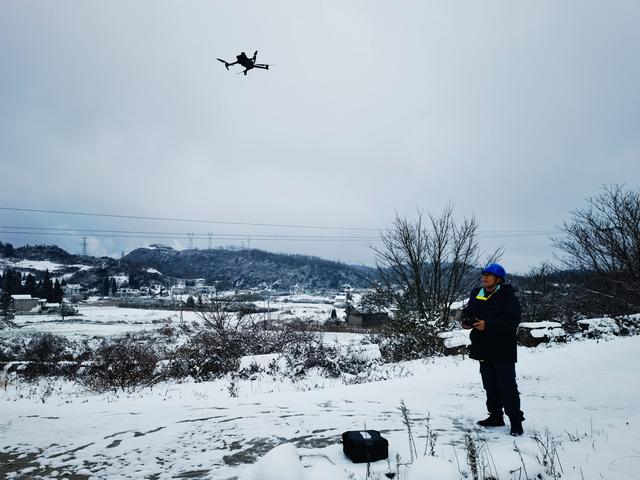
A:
x: 249, y: 330
x: 539, y: 297
x: 424, y: 266
x: 603, y: 240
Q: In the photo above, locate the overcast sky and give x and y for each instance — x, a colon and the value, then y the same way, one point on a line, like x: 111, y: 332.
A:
x: 514, y: 111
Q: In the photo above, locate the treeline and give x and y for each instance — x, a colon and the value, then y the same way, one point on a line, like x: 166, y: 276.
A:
x: 7, y: 249
x: 15, y: 282
x: 428, y: 264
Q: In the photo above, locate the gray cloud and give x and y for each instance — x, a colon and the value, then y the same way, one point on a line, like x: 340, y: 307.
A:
x: 515, y: 112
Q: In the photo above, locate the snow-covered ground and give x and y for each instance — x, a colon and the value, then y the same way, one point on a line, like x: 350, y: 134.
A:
x: 42, y: 265
x: 586, y: 394
x: 97, y: 321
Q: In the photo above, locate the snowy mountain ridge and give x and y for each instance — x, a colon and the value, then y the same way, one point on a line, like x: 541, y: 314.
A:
x: 224, y: 267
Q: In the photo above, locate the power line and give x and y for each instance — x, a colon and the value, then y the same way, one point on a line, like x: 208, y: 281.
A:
x: 237, y: 236
x: 188, y: 237
x: 220, y: 222
x: 186, y: 220
x: 183, y: 234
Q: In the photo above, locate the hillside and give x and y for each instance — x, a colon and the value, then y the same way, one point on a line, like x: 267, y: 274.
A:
x: 224, y: 267
x: 249, y: 268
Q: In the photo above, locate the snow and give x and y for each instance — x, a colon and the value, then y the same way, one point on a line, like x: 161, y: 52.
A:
x: 120, y: 279
x: 261, y: 361
x: 41, y: 265
x: 455, y: 338
x: 363, y: 352
x: 21, y: 297
x: 585, y: 393
x: 301, y: 298
x: 432, y: 467
x: 458, y: 305
x: 97, y: 321
x: 600, y: 325
x: 38, y: 265
x: 281, y: 463
x: 548, y: 333
x: 541, y: 325
x: 302, y: 307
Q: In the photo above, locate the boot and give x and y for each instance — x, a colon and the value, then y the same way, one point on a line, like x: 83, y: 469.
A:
x: 516, y: 426
x: 492, y: 420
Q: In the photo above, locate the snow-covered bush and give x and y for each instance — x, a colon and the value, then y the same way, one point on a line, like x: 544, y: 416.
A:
x: 599, y: 327
x: 532, y: 334
x: 10, y: 349
x: 408, y: 338
x: 48, y: 348
x: 628, y: 325
x: 122, y: 364
x: 332, y: 361
x: 206, y: 355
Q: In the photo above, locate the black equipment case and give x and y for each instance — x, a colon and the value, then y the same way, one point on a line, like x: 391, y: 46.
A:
x: 365, y: 446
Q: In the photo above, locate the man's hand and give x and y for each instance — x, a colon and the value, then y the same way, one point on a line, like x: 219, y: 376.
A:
x: 479, y: 325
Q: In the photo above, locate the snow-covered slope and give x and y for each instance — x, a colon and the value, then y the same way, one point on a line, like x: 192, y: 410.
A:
x: 585, y: 393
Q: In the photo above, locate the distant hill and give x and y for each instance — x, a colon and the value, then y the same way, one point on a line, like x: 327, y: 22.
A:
x: 250, y: 268
x: 51, y: 253
x: 224, y: 267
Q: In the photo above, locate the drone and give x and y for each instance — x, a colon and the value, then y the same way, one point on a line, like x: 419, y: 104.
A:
x: 246, y: 62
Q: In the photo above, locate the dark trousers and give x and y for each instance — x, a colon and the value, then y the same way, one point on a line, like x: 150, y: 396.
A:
x: 499, y: 381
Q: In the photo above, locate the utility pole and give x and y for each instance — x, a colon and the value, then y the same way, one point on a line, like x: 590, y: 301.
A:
x: 84, y: 246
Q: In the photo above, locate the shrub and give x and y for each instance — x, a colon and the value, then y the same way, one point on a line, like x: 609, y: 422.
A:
x: 123, y: 364
x: 48, y: 348
x: 332, y: 361
x: 206, y: 355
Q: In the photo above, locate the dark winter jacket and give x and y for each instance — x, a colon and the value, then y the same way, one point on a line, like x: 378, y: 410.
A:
x: 501, y: 313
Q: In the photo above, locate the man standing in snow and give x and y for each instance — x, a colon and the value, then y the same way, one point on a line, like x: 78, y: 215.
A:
x: 493, y: 313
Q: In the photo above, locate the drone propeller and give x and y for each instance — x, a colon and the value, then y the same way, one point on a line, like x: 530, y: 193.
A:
x: 226, y: 64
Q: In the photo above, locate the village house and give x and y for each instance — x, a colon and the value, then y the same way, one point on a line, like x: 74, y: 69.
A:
x: 357, y: 318
x: 24, y: 303
x: 73, y: 291
x: 128, y: 292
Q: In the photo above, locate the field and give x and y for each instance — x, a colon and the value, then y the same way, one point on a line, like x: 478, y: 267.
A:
x: 580, y: 399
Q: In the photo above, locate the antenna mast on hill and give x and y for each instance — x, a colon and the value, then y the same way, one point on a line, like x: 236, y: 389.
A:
x: 84, y: 246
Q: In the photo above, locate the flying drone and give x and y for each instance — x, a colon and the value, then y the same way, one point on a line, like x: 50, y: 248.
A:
x: 246, y: 62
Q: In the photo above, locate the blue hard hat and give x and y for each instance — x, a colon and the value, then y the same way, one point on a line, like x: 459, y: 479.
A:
x: 495, y: 269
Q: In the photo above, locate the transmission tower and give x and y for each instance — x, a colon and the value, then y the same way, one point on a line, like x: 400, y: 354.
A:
x: 84, y: 246
x: 190, y: 241
x: 210, y: 234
